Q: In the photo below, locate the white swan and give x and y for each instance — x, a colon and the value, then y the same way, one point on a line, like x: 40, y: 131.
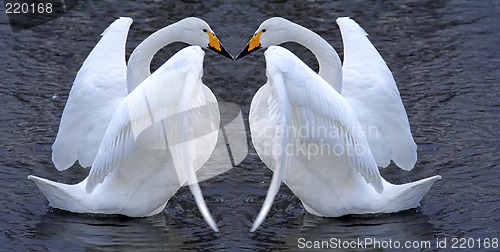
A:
x: 133, y: 172
x: 324, y: 134
x: 104, y: 80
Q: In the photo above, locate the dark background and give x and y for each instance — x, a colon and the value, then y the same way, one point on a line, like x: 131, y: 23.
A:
x: 444, y: 56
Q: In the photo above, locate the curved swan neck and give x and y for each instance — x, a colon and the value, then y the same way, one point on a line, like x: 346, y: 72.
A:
x: 330, y: 67
x: 138, y: 68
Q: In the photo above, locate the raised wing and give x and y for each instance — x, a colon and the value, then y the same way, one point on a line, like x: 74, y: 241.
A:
x: 169, y: 111
x: 370, y: 89
x: 297, y: 110
x: 99, y: 87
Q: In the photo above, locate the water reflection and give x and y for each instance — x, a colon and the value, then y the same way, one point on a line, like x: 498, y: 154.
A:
x: 405, y: 226
x: 289, y: 226
x: 65, y: 231
x: 76, y: 232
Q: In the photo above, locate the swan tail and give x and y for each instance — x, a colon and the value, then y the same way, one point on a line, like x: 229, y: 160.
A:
x: 59, y: 195
x: 407, y: 196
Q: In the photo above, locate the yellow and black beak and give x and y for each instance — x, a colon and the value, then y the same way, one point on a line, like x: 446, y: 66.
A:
x: 216, y: 46
x: 252, y: 46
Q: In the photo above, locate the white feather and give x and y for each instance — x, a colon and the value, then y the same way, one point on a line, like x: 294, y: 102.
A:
x: 99, y: 86
x: 157, y: 138
x: 370, y: 89
x: 334, y: 140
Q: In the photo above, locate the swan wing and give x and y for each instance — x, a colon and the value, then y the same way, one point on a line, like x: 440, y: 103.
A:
x: 297, y: 109
x: 167, y: 111
x: 370, y: 89
x: 99, y: 86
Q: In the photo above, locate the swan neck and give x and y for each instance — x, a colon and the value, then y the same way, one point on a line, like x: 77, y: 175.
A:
x: 330, y: 67
x: 138, y: 68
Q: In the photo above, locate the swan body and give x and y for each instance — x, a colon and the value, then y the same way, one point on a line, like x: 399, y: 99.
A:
x: 105, y: 79
x: 141, y: 161
x: 144, y: 135
x: 331, y: 129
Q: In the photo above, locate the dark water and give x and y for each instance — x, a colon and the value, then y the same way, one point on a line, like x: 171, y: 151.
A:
x: 444, y: 56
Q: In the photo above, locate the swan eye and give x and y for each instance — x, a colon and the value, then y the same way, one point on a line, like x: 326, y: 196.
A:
x: 263, y: 30
x: 204, y: 30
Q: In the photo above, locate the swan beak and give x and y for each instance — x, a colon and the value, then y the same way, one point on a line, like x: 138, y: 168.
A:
x: 247, y: 50
x: 253, y: 45
x: 216, y: 46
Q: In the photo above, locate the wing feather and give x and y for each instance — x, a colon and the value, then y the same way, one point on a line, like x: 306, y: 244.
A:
x: 162, y: 112
x: 99, y: 86
x: 308, y: 120
x: 370, y: 89
x: 322, y: 109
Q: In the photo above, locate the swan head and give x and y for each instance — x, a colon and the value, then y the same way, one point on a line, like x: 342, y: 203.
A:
x: 273, y: 31
x: 195, y: 31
